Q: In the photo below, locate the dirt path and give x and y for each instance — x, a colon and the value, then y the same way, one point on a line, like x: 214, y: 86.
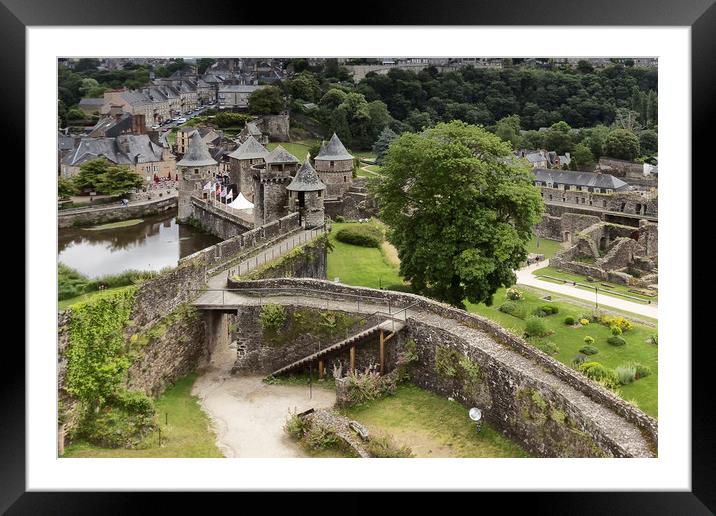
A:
x: 247, y: 414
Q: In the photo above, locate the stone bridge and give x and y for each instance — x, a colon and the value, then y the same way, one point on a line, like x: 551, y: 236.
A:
x: 549, y: 408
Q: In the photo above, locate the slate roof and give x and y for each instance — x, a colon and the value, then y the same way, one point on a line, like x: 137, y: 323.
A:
x: 106, y: 123
x: 64, y: 142
x: 127, y: 149
x: 591, y: 180
x: 253, y: 129
x: 91, y: 102
x: 250, y: 149
x: 197, y: 155
x: 306, y: 179
x: 240, y: 88
x: 333, y: 150
x: 281, y: 155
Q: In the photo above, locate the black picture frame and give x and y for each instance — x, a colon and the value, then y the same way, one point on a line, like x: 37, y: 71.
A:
x: 699, y: 15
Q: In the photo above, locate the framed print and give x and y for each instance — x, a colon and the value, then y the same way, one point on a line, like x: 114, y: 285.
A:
x: 418, y: 257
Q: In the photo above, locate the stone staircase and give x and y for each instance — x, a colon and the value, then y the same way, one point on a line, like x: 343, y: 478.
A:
x: 387, y: 325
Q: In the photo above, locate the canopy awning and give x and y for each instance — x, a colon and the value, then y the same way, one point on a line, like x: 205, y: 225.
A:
x: 241, y: 203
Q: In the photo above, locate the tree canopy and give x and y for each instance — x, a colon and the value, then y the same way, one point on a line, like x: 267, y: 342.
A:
x: 266, y: 101
x: 106, y: 178
x: 622, y: 144
x: 461, y: 212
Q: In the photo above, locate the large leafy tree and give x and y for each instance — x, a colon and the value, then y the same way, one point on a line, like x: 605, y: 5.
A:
x: 461, y: 211
x: 100, y: 175
x: 266, y: 101
x: 622, y: 144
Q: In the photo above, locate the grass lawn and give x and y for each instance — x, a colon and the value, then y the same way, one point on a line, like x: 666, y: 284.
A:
x: 64, y: 303
x: 298, y: 149
x: 113, y: 225
x: 186, y: 434
x: 360, y: 266
x: 568, y: 276
x: 546, y: 247
x: 432, y: 426
x: 373, y: 170
x: 571, y: 339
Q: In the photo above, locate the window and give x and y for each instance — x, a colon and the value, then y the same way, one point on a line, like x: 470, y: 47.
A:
x: 573, y: 187
x: 609, y: 190
x: 604, y: 204
x: 550, y: 184
x: 332, y: 163
x: 345, y: 178
x: 319, y: 193
x: 538, y: 183
x: 597, y: 190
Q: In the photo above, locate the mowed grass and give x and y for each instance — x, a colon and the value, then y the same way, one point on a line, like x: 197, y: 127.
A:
x: 567, y: 276
x: 570, y: 339
x: 432, y: 426
x: 299, y: 149
x: 65, y: 303
x: 185, y: 430
x: 543, y: 246
x: 360, y: 266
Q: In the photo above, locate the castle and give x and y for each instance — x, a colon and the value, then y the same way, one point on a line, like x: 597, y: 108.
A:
x: 276, y: 182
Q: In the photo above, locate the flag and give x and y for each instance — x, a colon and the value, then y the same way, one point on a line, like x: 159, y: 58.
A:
x: 223, y: 192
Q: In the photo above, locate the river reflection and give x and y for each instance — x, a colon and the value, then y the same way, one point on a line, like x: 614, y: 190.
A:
x: 156, y: 243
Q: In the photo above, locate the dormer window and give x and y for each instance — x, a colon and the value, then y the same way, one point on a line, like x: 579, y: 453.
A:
x: 597, y: 190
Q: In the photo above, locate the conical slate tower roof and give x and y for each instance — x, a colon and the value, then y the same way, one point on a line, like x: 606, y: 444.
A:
x: 333, y: 150
x: 197, y: 155
x: 281, y: 155
x: 306, y: 179
x: 250, y: 149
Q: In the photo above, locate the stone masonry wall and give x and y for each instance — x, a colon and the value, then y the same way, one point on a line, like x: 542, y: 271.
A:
x: 218, y: 222
x: 113, y: 213
x: 543, y: 362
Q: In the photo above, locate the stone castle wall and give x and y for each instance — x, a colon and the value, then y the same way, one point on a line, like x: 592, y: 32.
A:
x: 277, y: 127
x: 523, y: 403
x: 217, y: 221
x: 115, y: 212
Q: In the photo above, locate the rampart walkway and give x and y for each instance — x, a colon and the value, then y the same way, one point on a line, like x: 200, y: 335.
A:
x: 616, y: 428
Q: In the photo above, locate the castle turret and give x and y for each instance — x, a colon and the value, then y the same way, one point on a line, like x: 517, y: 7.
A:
x: 334, y: 166
x: 195, y: 169
x: 270, y: 181
x: 305, y: 196
x: 249, y: 153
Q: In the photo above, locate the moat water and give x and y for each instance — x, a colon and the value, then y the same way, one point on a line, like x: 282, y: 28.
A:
x: 156, y: 243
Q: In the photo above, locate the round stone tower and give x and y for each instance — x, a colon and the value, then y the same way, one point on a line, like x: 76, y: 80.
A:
x: 249, y: 153
x: 335, y: 167
x: 305, y: 196
x: 195, y: 169
x: 270, y: 181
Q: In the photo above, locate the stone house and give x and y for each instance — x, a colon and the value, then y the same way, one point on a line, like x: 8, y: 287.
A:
x: 155, y: 110
x: 578, y: 181
x: 236, y: 96
x: 249, y: 153
x: 137, y: 152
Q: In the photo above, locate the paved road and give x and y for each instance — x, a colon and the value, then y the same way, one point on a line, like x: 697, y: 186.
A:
x: 525, y: 277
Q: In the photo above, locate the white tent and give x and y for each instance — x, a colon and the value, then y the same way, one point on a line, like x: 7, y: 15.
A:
x: 241, y: 203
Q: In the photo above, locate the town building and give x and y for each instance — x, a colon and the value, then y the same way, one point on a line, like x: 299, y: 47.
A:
x: 137, y: 152
x: 236, y: 96
x: 334, y: 166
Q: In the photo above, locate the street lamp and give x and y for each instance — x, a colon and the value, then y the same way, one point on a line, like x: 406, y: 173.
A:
x: 476, y: 415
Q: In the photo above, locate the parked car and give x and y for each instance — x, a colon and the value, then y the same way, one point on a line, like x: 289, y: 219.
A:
x: 181, y: 120
x: 155, y: 127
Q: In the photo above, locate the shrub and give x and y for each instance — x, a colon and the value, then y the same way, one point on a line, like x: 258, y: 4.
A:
x: 273, y: 317
x: 319, y: 438
x: 364, y: 235
x: 654, y: 339
x: 134, y: 402
x: 546, y: 346
x: 625, y: 374
x: 641, y: 369
x: 569, y: 320
x: 382, y: 446
x: 597, y: 372
x: 584, y: 322
x: 588, y: 340
x: 340, y: 218
x: 536, y: 327
x: 116, y: 427
x: 578, y: 360
x: 616, y: 330
x: 508, y: 307
x: 615, y: 340
x: 621, y: 322
x: 588, y: 350
x: 295, y: 426
x: 369, y: 385
x: 514, y: 294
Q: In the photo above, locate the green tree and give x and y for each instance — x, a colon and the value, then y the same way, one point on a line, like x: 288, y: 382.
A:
x: 266, y: 101
x: 508, y: 128
x: 100, y: 175
x: 65, y: 187
x: 75, y: 114
x: 118, y: 181
x: 380, y: 147
x: 461, y: 214
x: 622, y: 144
x: 648, y: 142
x: 582, y: 157
x: 305, y: 86
x: 204, y: 63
